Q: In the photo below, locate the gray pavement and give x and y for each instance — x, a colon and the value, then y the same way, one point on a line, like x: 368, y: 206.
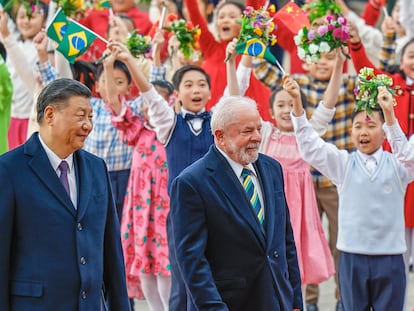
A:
x: 327, y: 300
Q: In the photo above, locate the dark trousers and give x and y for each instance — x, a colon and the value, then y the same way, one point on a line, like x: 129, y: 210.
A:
x: 371, y: 281
x: 119, y: 183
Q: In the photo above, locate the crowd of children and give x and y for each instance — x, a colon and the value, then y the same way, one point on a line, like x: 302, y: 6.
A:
x: 151, y: 120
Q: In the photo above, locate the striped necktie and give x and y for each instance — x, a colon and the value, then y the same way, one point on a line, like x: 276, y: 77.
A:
x: 252, y: 194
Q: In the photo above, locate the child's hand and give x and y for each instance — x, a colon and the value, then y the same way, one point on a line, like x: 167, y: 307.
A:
x: 353, y: 33
x: 291, y: 86
x: 159, y: 37
x: 385, y: 99
x: 388, y: 26
x: 4, y: 28
x: 40, y: 42
x: 119, y: 28
x: 119, y: 51
x: 231, y: 50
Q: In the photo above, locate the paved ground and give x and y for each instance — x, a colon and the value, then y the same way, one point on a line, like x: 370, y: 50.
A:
x: 326, y: 301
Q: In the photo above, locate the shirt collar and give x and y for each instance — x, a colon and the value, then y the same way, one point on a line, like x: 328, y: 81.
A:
x: 237, y: 167
x: 377, y: 155
x: 185, y: 111
x: 54, y: 158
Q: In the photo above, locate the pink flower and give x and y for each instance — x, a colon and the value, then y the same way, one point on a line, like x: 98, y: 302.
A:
x: 329, y: 18
x: 331, y: 27
x: 356, y: 92
x: 311, y: 34
x: 337, y: 33
x: 342, y: 20
x: 322, y: 30
x: 248, y: 10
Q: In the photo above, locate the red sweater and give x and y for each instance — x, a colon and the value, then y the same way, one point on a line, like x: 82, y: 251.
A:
x: 404, y: 112
x: 214, y: 54
x: 97, y: 21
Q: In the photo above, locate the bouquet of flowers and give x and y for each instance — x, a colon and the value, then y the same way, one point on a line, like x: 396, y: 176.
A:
x: 258, y: 23
x: 367, y: 91
x: 257, y: 31
x: 138, y: 44
x: 187, y: 35
x: 72, y: 8
x: 324, y: 38
x: 320, y: 8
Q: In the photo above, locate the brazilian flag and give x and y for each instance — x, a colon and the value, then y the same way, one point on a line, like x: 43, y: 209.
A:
x: 76, y: 41
x: 104, y: 4
x: 57, y: 26
x: 255, y: 47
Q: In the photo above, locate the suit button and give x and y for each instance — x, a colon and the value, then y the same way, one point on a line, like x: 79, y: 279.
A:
x: 275, y: 254
x: 83, y: 294
x: 80, y: 228
x: 82, y: 260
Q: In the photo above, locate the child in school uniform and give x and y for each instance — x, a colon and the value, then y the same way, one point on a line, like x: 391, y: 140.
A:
x: 186, y: 135
x: 371, y: 185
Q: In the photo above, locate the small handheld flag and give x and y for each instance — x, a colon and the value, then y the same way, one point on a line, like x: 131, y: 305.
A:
x: 76, y: 41
x: 57, y: 26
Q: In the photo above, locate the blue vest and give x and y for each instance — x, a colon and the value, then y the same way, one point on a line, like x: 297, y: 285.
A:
x: 184, y: 147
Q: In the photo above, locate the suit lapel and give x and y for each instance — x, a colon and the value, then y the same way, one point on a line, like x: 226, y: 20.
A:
x: 226, y: 181
x: 84, y: 182
x: 42, y: 168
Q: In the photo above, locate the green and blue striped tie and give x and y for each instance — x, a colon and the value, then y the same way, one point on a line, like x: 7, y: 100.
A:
x: 252, y: 194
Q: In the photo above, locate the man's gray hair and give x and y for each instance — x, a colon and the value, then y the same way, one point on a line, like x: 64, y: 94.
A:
x: 223, y: 113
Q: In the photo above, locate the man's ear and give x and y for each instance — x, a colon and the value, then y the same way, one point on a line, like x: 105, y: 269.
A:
x: 219, y: 137
x: 49, y: 114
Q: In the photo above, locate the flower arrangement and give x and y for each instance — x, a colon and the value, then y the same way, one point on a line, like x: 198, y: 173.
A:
x: 187, y: 35
x: 320, y: 8
x: 367, y: 91
x: 138, y: 44
x: 258, y: 24
x: 324, y: 38
x: 72, y: 8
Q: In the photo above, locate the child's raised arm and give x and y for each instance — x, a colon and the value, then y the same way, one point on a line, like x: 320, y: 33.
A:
x: 292, y: 87
x: 232, y: 84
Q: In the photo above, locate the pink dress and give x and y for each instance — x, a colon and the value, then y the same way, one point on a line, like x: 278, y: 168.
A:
x: 314, y: 256
x: 144, y: 219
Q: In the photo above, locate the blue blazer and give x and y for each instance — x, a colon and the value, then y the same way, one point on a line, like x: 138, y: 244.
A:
x: 226, y: 259
x: 53, y: 257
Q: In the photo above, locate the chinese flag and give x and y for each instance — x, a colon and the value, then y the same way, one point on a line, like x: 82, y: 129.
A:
x: 289, y: 20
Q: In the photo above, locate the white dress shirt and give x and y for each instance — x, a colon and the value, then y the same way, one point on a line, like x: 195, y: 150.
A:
x: 55, y: 162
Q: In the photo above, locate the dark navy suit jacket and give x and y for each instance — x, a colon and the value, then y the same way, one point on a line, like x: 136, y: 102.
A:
x: 226, y: 259
x: 52, y: 256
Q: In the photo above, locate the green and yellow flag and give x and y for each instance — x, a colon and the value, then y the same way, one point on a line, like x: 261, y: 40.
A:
x: 57, y: 26
x: 76, y: 41
x: 255, y: 47
x: 104, y: 4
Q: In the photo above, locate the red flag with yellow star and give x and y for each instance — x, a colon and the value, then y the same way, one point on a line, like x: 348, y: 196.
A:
x: 289, y: 20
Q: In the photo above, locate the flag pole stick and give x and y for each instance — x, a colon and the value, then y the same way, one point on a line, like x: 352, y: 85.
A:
x: 160, y: 25
x: 280, y: 67
x: 384, y: 10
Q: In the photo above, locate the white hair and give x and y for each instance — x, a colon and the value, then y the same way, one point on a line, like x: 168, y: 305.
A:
x: 223, y: 113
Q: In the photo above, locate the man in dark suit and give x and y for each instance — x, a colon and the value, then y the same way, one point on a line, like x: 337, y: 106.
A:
x: 59, y: 233
x: 231, y: 253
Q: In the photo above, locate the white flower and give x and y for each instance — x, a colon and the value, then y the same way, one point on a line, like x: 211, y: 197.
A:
x: 324, y: 47
x: 300, y: 32
x: 298, y: 39
x: 308, y: 59
x: 301, y: 53
x: 313, y: 48
x: 314, y: 58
